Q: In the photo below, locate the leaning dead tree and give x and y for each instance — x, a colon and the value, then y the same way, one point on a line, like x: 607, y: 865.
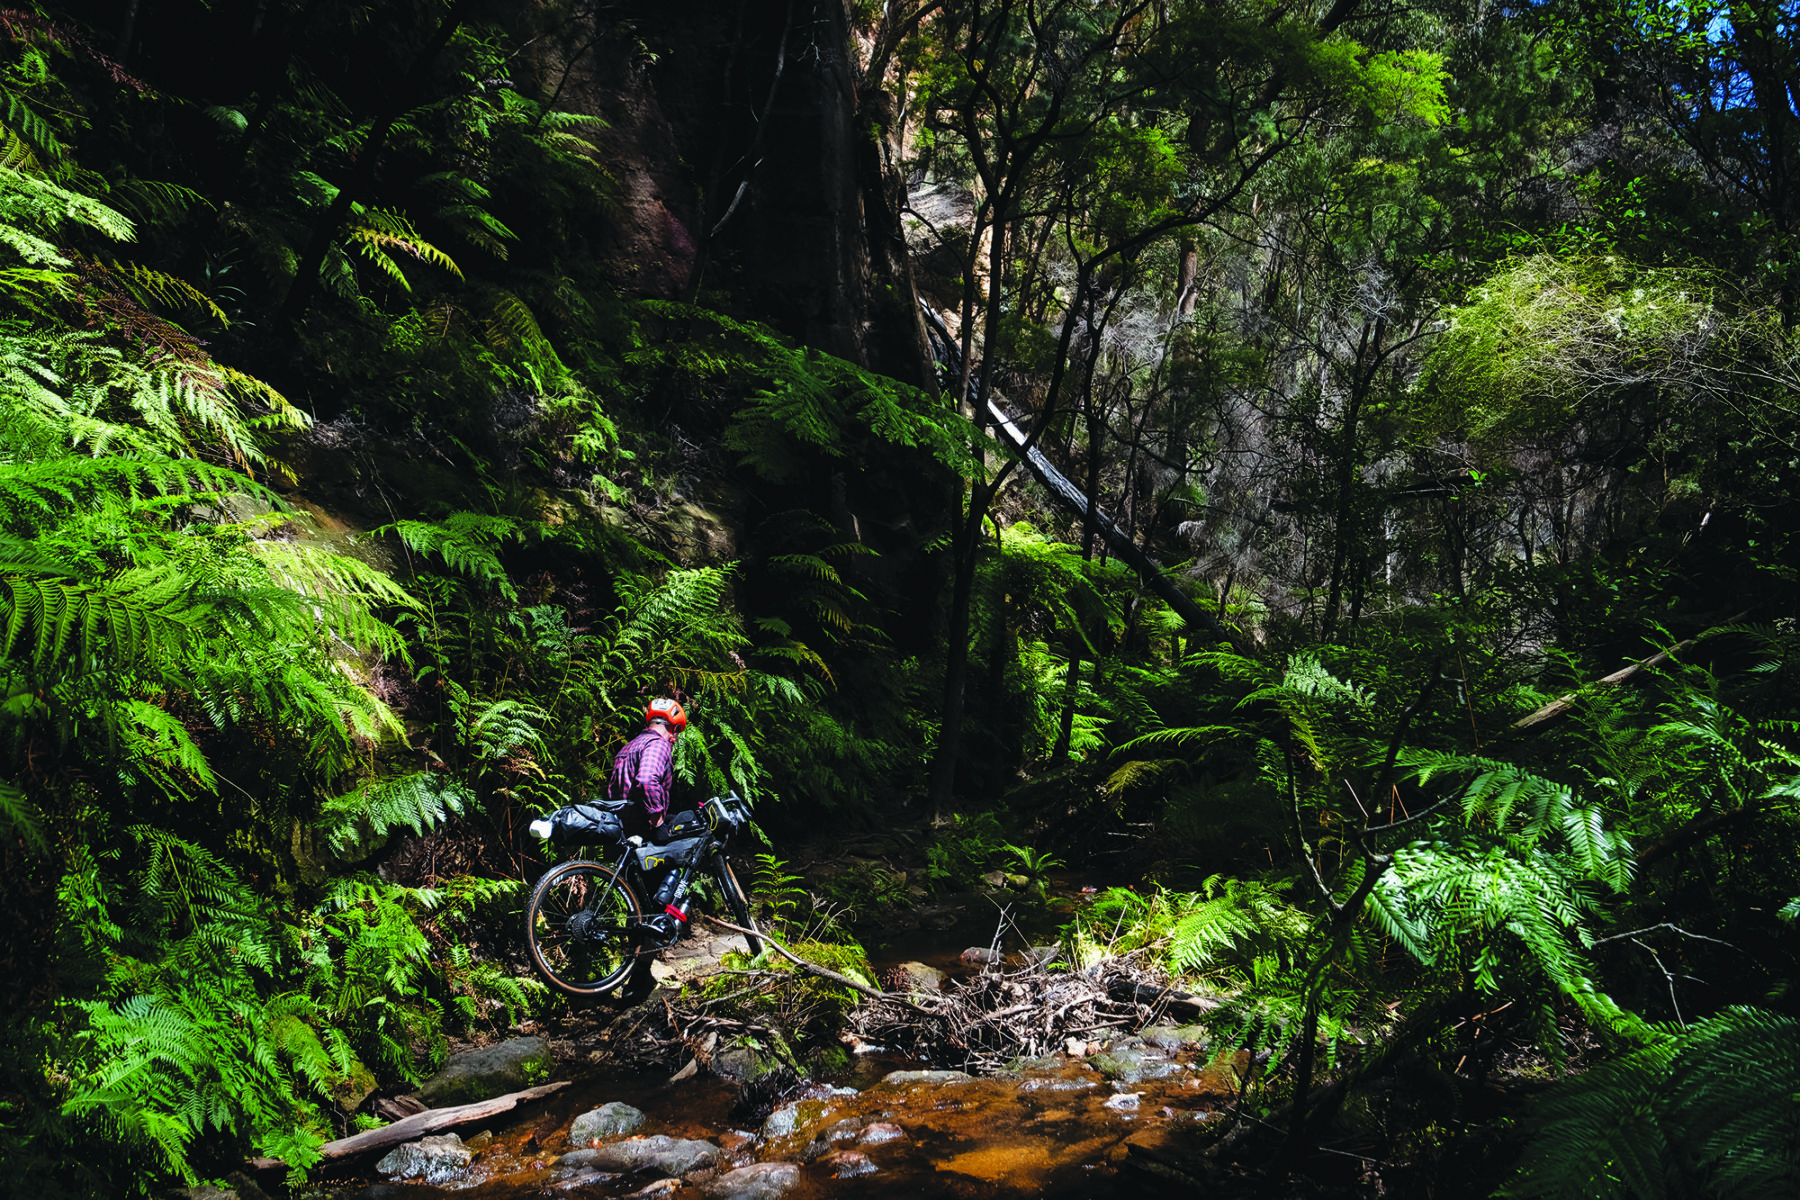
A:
x: 1071, y: 498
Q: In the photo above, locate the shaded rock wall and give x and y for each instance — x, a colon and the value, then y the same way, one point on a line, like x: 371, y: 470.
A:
x: 741, y: 118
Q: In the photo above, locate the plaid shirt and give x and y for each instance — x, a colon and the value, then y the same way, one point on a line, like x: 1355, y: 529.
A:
x: 644, y: 772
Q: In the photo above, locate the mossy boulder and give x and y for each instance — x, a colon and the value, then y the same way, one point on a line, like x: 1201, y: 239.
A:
x: 473, y: 1075
x: 1124, y: 1063
x: 350, y: 1090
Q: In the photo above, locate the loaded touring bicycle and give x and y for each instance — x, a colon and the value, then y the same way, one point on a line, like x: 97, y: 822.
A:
x: 586, y: 922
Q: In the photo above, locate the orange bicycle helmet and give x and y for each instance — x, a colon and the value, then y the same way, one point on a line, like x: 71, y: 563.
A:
x: 667, y: 710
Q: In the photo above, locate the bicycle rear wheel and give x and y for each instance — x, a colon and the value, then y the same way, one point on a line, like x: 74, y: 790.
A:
x: 739, y: 903
x: 579, y: 925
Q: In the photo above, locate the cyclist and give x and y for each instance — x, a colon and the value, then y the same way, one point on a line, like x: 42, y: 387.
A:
x: 643, y: 775
x: 644, y: 772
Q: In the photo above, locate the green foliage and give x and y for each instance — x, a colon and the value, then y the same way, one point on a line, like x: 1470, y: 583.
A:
x: 864, y: 890
x: 963, y: 850
x: 419, y: 802
x: 1035, y: 865
x: 1234, y: 932
x: 1710, y: 1110
x: 801, y: 403
x: 780, y: 896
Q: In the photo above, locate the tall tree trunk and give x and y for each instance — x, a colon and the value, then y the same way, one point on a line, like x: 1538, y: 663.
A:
x: 956, y: 666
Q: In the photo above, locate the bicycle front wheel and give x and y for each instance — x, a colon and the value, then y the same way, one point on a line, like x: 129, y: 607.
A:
x: 580, y: 925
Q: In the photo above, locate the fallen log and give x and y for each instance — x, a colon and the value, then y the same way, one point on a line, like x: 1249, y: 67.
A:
x: 420, y: 1124
x: 1140, y: 993
x: 814, y: 968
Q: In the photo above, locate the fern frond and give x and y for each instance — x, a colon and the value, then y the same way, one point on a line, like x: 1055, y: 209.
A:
x: 141, y: 616
x: 20, y: 818
x: 418, y: 802
x: 151, y: 286
x: 376, y: 231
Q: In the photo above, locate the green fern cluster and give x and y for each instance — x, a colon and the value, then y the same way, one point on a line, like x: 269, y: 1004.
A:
x: 1712, y: 1110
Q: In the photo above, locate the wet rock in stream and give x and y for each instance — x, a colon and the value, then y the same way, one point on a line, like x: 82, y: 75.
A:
x: 848, y: 1164
x: 914, y: 978
x: 879, y: 1132
x: 1172, y: 1037
x: 435, y: 1159
x: 903, y: 1078
x: 1129, y: 1063
x: 609, y: 1120
x: 758, y: 1181
x: 659, y: 1152
x: 763, y: 1092
x: 569, y: 1178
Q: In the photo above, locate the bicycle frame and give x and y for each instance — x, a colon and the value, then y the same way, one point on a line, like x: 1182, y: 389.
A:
x: 626, y: 867
x: 621, y: 903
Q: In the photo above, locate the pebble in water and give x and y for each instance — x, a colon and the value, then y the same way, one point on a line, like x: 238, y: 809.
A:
x: 848, y: 1164
x: 879, y: 1132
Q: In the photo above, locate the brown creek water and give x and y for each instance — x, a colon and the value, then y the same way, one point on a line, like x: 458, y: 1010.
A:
x: 889, y: 1127
x: 1057, y: 1129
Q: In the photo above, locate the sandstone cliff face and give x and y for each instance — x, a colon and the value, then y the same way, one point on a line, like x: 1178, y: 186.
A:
x: 747, y: 170
x: 751, y: 174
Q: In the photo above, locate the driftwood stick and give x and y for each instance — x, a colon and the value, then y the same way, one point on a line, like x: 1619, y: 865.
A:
x: 1143, y: 994
x: 420, y: 1124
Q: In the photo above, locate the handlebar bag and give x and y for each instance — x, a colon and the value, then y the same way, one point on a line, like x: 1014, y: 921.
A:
x: 727, y: 814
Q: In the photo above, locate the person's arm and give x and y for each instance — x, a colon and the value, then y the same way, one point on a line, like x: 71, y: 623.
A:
x: 654, y: 770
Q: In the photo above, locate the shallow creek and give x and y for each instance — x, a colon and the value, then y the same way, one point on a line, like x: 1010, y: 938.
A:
x: 1055, y: 1126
